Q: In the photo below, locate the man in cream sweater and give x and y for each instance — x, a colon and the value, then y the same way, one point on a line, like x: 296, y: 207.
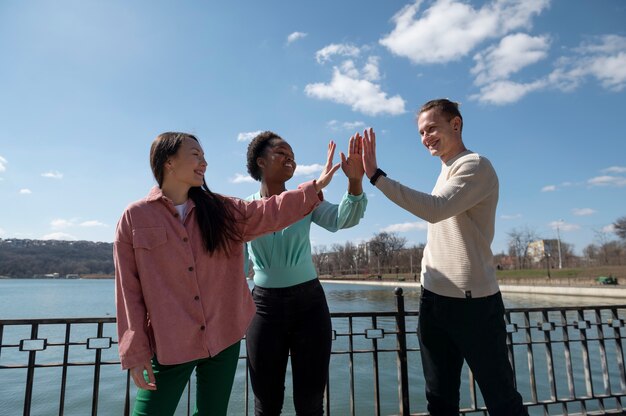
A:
x: 461, y: 310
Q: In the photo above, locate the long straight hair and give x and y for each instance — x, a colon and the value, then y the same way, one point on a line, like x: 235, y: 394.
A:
x: 214, y: 213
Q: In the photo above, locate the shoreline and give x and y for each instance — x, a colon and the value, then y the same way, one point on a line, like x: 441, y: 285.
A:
x: 594, y: 291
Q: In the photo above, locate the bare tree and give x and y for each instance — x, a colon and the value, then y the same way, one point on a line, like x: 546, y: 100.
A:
x: 620, y: 227
x: 320, y: 258
x: 519, y: 239
x: 384, y: 246
x: 602, y: 237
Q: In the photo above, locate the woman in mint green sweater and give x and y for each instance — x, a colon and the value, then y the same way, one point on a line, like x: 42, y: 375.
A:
x: 292, y: 314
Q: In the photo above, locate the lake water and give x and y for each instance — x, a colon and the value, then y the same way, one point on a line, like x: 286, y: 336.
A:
x: 26, y: 298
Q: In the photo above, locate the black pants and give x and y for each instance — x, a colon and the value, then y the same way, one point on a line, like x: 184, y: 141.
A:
x: 292, y: 320
x: 451, y: 330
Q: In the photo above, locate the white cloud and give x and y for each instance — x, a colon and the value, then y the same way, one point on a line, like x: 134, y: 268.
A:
x: 405, y: 227
x: 53, y: 175
x: 346, y: 125
x: 607, y: 180
x: 512, y: 54
x: 58, y: 236
x: 370, y: 70
x: 548, y: 188
x: 608, y: 228
x: 3, y: 164
x: 603, y: 59
x: 341, y: 49
x: 25, y: 191
x: 449, y: 30
x: 59, y: 223
x: 564, y: 226
x: 606, y: 44
x: 303, y: 170
x: 615, y: 169
x: 239, y: 178
x: 247, y: 136
x: 92, y: 223
x: 506, y: 92
x: 511, y: 217
x: 295, y: 36
x: 356, y: 91
x: 581, y: 212
x: 2, y: 232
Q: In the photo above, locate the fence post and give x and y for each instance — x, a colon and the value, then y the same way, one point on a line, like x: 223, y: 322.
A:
x: 403, y: 373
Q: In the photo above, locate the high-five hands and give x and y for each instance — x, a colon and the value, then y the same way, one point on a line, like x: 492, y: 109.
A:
x: 369, y: 152
x: 329, y: 169
x: 352, y: 165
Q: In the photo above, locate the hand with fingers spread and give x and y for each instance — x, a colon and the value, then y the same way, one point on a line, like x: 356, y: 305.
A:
x: 352, y: 165
x: 136, y: 374
x: 369, y: 152
x: 329, y: 170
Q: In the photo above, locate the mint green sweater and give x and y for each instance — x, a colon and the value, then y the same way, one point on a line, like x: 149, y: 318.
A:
x: 283, y: 258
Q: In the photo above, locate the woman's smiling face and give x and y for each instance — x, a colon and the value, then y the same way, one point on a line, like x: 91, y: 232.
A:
x: 188, y: 165
x: 278, y: 163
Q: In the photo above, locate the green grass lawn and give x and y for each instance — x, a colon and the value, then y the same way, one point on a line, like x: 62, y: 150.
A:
x: 573, y: 273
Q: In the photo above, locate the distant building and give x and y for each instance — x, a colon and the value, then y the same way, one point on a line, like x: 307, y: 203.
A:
x: 540, y: 249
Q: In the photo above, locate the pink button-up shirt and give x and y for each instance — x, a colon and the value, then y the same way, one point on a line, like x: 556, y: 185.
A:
x: 175, y: 300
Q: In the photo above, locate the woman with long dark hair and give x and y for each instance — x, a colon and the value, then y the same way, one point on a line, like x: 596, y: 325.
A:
x: 181, y: 301
x: 292, y: 316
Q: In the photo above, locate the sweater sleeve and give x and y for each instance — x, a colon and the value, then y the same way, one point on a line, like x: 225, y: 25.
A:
x: 468, y: 184
x: 347, y: 214
x: 266, y: 215
x: 132, y: 322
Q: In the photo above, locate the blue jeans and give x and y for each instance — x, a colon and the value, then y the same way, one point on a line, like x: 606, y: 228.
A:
x: 451, y: 330
x: 292, y: 320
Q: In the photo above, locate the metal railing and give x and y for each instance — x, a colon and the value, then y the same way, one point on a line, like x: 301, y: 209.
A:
x: 567, y: 360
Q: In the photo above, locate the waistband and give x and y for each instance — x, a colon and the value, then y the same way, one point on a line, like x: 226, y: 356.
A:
x: 290, y: 290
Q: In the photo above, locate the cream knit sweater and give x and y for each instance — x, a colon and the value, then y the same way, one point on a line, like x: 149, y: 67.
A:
x: 461, y: 219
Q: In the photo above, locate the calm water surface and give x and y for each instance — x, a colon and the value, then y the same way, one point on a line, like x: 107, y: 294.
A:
x: 26, y: 298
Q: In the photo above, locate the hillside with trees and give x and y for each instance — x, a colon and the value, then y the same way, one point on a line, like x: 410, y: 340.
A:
x: 36, y: 258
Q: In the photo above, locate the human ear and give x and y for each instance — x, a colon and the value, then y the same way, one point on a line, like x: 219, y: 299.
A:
x: 456, y: 123
x: 260, y: 162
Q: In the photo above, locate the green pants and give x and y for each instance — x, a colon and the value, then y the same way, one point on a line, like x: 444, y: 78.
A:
x: 214, y: 381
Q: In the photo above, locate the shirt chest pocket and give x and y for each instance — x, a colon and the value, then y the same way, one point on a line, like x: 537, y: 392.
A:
x: 149, y: 238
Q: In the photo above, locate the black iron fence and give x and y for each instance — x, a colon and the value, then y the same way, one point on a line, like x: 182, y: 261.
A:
x: 567, y: 360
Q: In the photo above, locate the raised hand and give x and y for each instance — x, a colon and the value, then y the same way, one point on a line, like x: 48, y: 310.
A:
x: 352, y: 166
x: 369, y: 152
x: 329, y: 169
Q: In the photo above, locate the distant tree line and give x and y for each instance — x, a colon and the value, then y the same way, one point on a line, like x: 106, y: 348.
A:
x: 384, y: 253
x: 605, y: 251
x: 28, y: 258
x: 387, y: 253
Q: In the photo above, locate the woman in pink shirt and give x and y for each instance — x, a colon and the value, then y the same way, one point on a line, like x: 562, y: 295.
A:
x: 181, y: 302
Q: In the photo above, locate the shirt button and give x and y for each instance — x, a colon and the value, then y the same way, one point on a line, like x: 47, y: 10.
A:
x: 202, y: 328
x: 185, y: 239
x: 197, y: 298
x: 191, y: 269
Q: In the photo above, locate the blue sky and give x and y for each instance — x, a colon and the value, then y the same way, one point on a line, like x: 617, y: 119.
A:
x: 87, y: 85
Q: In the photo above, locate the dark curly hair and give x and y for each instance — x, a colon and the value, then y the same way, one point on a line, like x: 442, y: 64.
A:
x: 257, y: 148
